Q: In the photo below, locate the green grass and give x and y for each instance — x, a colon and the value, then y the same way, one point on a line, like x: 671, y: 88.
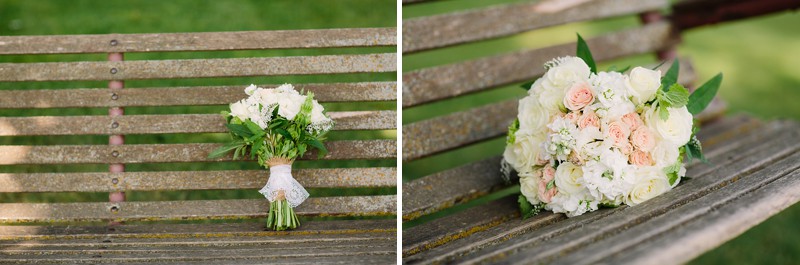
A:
x: 22, y: 17
x: 759, y: 58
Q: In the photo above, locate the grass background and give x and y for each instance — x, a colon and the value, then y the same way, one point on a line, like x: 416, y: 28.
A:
x: 20, y: 17
x: 758, y: 56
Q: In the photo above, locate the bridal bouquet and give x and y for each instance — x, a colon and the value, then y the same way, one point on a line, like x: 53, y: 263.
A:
x: 277, y: 126
x: 585, y: 139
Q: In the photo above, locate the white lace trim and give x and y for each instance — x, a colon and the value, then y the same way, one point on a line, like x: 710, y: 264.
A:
x: 280, y: 178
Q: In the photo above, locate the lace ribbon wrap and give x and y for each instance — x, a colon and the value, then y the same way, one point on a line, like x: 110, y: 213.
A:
x: 280, y: 179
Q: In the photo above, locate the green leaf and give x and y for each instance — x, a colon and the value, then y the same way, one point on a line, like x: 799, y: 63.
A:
x: 663, y: 113
x: 528, y: 210
x: 527, y: 85
x: 240, y: 130
x: 677, y: 96
x: 253, y: 127
x: 551, y: 184
x: 701, y: 97
x: 222, y: 150
x: 283, y: 132
x: 613, y: 68
x: 584, y: 53
x: 318, y: 145
x: 659, y: 65
x: 672, y: 75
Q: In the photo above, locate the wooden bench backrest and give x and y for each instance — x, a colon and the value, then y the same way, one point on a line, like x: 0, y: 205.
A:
x: 463, y: 131
x: 313, y: 174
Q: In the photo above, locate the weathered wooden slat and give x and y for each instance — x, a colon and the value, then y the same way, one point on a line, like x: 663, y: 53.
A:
x: 501, y: 233
x: 263, y: 255
x: 152, y: 234
x: 191, y: 210
x: 158, y: 124
x: 442, y: 190
x: 232, y: 247
x: 543, y: 244
x: 198, y: 41
x: 197, y: 68
x: 493, y: 22
x: 697, y: 212
x: 439, y: 134
x: 180, y: 96
x: 158, y: 153
x: 437, y: 83
x: 191, y: 180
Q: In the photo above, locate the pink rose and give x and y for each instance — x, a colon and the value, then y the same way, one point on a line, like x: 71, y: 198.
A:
x: 589, y: 118
x: 641, y: 158
x: 618, y: 132
x: 643, y: 139
x: 625, y: 148
x: 572, y: 116
x: 633, y: 120
x: 546, y: 195
x: 548, y: 173
x: 578, y: 96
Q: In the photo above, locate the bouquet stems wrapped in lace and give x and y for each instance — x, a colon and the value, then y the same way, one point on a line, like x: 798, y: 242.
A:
x: 585, y: 139
x: 277, y: 126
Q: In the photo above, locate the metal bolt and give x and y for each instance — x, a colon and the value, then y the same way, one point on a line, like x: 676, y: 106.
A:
x: 114, y: 125
x: 114, y: 42
x: 107, y: 241
x: 113, y: 70
x: 115, y: 181
x: 114, y: 208
x: 114, y: 96
x: 114, y: 153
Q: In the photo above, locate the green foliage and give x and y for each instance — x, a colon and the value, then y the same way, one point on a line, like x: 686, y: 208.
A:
x: 694, y: 149
x: 675, y: 97
x: 672, y: 171
x: 671, y: 77
x: 584, y: 53
x: 528, y: 210
x: 701, y: 97
x: 281, y: 216
x: 282, y: 138
x: 512, y: 130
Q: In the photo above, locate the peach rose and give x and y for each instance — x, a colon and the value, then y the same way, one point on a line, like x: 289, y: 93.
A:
x: 548, y: 173
x: 643, y: 138
x: 589, y: 118
x: 618, y: 132
x: 572, y: 116
x: 633, y: 120
x: 641, y: 158
x: 546, y: 195
x: 578, y: 96
x: 625, y: 147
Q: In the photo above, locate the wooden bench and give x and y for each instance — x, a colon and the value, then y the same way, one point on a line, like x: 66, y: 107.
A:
x: 335, y: 229
x: 468, y: 214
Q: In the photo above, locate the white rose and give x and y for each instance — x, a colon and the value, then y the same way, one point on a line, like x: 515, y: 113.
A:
x: 267, y: 97
x: 287, y: 88
x: 318, y: 114
x: 643, y: 84
x: 676, y: 129
x: 569, y: 178
x: 532, y: 115
x: 239, y: 109
x: 250, y: 89
x: 289, y: 106
x: 665, y: 154
x: 651, y: 182
x: 529, y: 185
x: 565, y: 71
x: 525, y: 152
x: 552, y: 99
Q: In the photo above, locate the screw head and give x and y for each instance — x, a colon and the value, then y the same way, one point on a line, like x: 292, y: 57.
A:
x: 114, y: 96
x: 115, y: 181
x: 113, y: 70
x: 115, y: 208
x: 114, y: 125
x: 114, y: 153
x: 113, y: 42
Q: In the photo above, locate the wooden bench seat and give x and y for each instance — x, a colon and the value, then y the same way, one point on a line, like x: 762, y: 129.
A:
x: 348, y: 219
x: 467, y: 214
